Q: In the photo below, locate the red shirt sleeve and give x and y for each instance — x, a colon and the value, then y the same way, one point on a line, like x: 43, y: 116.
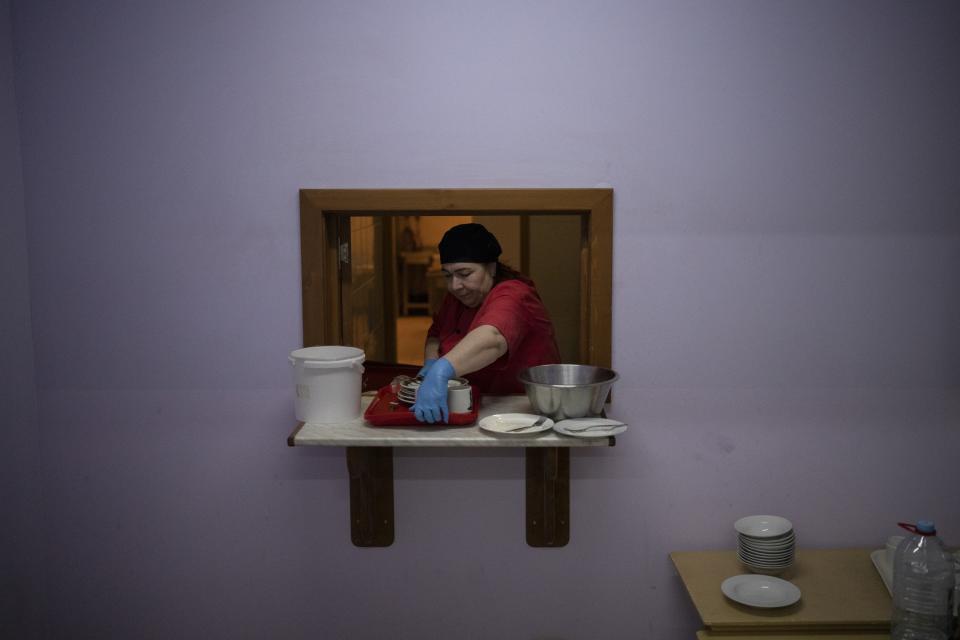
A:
x: 507, y: 307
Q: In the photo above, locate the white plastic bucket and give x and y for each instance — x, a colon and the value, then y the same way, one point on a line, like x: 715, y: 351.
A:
x: 328, y: 382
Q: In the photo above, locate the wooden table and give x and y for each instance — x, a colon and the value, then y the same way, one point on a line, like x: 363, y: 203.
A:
x: 707, y: 635
x: 843, y: 596
x: 370, y: 466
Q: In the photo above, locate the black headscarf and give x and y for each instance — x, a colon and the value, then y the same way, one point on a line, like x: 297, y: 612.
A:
x: 469, y: 243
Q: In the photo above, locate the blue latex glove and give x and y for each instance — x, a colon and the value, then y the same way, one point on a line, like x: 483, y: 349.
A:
x: 426, y: 366
x: 431, y: 404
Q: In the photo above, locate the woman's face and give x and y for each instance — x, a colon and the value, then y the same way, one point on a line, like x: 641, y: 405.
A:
x: 469, y: 282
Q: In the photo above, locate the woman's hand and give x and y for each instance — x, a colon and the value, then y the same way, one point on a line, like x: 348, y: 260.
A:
x: 431, y: 404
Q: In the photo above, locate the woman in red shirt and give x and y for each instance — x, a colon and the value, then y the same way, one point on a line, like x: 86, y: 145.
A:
x: 491, y: 324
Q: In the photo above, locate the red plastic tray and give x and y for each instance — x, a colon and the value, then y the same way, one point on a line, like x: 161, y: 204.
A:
x: 381, y: 413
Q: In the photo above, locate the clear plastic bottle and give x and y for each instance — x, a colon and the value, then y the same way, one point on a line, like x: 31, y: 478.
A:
x: 923, y: 581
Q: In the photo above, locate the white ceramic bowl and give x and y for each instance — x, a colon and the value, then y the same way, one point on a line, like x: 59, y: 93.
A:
x: 784, y: 559
x: 762, y: 568
x: 746, y: 544
x: 776, y: 551
x: 766, y: 552
x: 763, y: 526
x: 781, y: 539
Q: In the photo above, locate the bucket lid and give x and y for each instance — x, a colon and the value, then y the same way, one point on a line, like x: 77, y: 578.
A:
x: 328, y: 355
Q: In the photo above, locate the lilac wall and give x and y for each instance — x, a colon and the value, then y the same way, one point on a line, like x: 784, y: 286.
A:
x: 787, y: 261
x: 21, y: 567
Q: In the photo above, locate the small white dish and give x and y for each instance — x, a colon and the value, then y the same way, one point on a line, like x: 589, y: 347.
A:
x: 763, y: 526
x: 768, y: 540
x: 583, y: 427
x: 511, y: 424
x: 767, y: 548
x: 760, y: 591
x: 767, y: 554
x: 778, y: 566
x: 752, y: 557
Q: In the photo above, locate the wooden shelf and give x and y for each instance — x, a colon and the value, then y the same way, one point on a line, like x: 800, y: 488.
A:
x: 370, y: 467
x: 357, y: 433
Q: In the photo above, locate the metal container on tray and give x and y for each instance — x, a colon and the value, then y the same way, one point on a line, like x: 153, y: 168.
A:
x: 561, y: 391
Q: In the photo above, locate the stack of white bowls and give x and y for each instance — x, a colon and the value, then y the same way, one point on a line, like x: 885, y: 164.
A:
x: 765, y: 544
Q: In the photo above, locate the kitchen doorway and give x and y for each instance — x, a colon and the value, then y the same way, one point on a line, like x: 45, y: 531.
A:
x: 546, y: 249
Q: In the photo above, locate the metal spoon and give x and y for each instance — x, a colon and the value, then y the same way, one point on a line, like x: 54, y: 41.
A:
x: 595, y: 426
x: 539, y: 422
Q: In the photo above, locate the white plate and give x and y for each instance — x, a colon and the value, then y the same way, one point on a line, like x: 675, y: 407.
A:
x: 763, y: 526
x: 773, y: 550
x: 766, y: 554
x: 769, y: 541
x: 503, y: 423
x: 768, y: 559
x: 749, y: 543
x: 766, y: 565
x: 760, y: 591
x: 564, y: 426
x: 765, y: 558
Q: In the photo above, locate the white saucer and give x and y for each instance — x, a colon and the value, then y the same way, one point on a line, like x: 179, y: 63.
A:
x: 763, y: 526
x: 502, y: 423
x: 785, y: 539
x: 565, y: 427
x: 769, y: 562
x: 760, y: 591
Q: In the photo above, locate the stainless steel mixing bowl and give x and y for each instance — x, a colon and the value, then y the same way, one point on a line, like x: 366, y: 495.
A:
x: 562, y: 391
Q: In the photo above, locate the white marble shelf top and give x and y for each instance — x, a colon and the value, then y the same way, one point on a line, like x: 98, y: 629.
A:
x: 358, y: 433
